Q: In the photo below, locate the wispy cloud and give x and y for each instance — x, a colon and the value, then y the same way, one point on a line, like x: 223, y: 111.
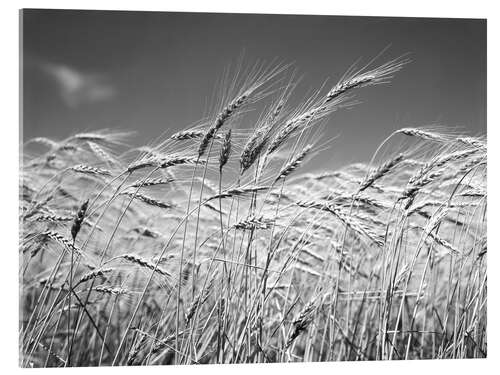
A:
x: 76, y: 87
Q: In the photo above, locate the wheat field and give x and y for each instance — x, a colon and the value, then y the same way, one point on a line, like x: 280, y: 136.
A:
x: 219, y: 243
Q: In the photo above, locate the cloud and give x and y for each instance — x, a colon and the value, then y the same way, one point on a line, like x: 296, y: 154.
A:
x: 78, y: 88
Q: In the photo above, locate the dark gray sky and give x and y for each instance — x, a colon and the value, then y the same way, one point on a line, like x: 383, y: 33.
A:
x: 154, y: 71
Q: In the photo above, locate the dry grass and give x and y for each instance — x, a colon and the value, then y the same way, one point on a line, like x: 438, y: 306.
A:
x: 213, y: 246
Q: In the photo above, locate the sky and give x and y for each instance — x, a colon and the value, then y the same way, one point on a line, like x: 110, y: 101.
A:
x: 155, y: 72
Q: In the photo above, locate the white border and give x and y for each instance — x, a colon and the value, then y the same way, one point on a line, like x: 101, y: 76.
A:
x: 9, y: 159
